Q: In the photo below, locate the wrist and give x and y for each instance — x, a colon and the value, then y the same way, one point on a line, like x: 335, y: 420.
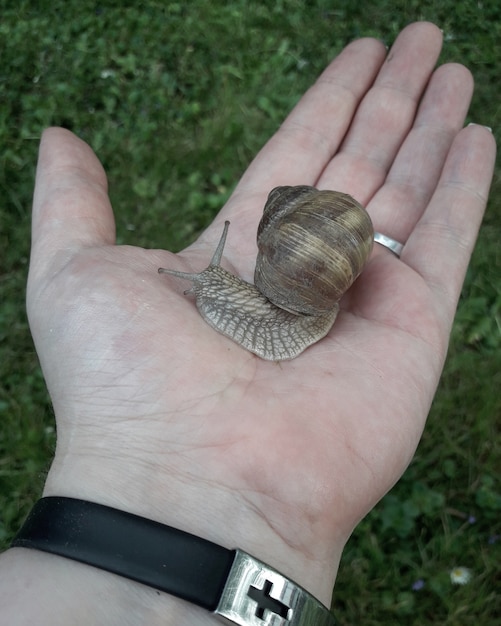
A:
x: 202, y: 508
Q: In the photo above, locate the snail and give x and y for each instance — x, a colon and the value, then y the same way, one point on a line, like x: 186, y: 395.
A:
x: 312, y: 245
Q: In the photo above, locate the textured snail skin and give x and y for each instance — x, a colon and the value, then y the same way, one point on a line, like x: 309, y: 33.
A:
x: 312, y: 246
x: 238, y: 310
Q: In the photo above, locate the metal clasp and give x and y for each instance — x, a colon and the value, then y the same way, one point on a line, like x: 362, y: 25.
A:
x: 257, y: 595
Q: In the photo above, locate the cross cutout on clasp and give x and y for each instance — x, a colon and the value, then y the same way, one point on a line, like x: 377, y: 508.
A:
x: 266, y: 602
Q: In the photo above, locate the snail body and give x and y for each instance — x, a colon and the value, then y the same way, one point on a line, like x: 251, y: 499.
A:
x: 312, y: 245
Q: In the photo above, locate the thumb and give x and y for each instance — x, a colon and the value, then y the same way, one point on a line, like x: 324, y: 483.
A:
x: 71, y: 208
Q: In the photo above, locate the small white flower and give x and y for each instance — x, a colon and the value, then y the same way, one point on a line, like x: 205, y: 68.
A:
x: 460, y: 576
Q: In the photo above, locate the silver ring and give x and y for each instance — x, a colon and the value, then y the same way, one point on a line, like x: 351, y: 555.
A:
x: 395, y: 246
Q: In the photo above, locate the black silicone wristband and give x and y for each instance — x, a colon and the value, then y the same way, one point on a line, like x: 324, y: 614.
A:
x: 134, y: 547
x: 233, y: 585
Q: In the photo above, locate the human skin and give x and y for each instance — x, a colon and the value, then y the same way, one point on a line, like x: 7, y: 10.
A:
x: 159, y: 415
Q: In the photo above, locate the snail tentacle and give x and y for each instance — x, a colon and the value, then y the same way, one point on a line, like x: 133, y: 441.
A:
x: 215, y: 261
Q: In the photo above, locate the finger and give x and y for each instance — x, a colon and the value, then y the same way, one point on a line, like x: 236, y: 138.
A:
x: 303, y: 147
x: 413, y: 177
x: 313, y: 131
x: 300, y: 149
x: 440, y: 246
x: 71, y: 208
x: 386, y: 114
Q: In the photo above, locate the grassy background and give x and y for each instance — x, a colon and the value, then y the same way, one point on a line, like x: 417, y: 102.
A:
x: 176, y: 98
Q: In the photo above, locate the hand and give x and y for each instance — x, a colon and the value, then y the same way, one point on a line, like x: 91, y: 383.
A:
x: 160, y: 415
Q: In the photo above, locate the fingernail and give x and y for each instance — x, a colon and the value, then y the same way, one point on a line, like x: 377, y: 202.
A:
x: 475, y: 124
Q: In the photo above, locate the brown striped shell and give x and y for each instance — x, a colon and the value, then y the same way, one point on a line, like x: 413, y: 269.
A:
x: 312, y: 246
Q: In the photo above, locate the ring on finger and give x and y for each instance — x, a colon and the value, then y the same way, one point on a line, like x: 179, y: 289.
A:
x: 394, y: 246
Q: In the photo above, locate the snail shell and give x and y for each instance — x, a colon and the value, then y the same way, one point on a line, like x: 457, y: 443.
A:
x: 312, y: 246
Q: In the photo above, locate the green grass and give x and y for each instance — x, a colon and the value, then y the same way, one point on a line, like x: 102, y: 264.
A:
x: 176, y: 98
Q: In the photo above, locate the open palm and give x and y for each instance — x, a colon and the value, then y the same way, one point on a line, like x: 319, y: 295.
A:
x: 158, y: 412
